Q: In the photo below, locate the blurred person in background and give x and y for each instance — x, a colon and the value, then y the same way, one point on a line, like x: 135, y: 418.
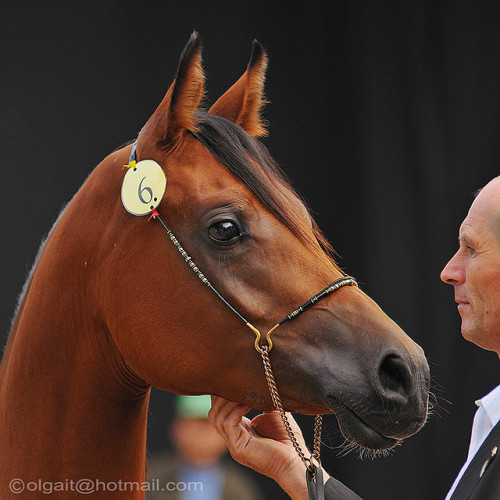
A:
x: 199, y: 467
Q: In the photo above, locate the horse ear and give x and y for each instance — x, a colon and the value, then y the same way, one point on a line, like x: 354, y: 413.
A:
x: 243, y: 102
x: 176, y: 112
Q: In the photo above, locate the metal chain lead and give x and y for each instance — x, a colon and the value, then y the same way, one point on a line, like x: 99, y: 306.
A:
x: 318, y: 424
x: 273, y: 390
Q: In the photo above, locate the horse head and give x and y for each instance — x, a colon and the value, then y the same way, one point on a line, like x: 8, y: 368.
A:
x: 252, y: 236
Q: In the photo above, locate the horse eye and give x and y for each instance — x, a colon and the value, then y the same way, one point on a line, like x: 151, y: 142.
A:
x: 224, y: 231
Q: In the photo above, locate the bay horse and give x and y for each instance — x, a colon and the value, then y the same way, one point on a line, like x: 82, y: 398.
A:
x: 110, y: 309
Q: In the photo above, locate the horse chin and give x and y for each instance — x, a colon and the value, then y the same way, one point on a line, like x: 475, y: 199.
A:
x: 357, y: 431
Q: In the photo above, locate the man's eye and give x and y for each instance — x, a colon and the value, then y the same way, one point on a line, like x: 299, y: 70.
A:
x: 224, y: 231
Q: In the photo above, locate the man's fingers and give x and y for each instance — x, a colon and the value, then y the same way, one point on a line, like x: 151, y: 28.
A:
x: 226, y: 415
x: 217, y: 404
x: 269, y: 425
x: 220, y: 410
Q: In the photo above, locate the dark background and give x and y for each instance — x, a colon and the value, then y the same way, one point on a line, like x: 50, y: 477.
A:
x: 386, y: 115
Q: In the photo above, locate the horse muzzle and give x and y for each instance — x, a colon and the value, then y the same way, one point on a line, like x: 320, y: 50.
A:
x: 393, y: 405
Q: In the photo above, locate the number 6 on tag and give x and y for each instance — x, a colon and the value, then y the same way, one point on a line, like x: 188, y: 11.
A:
x: 143, y: 187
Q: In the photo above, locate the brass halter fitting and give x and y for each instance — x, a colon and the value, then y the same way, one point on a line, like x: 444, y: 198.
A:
x: 258, y: 335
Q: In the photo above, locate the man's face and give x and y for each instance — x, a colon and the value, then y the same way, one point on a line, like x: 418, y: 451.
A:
x: 474, y: 271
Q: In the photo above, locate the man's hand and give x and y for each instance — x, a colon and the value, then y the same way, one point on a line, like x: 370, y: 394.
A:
x: 262, y: 444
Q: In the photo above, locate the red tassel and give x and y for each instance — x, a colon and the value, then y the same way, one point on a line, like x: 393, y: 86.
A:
x: 154, y: 214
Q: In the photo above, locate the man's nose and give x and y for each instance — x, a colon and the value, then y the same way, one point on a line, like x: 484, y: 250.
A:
x: 453, y: 272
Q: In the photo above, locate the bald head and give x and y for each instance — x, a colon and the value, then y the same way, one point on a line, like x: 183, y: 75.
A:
x: 474, y: 271
x: 486, y: 207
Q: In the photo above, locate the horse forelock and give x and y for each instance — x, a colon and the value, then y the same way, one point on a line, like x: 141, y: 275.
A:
x: 249, y: 161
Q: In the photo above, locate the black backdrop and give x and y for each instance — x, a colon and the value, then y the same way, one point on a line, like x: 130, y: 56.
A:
x: 384, y: 114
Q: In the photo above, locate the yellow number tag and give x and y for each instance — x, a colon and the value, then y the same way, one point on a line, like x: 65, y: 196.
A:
x: 143, y: 187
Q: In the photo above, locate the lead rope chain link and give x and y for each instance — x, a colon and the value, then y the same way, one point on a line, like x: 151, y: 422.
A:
x: 273, y: 390
x: 271, y: 381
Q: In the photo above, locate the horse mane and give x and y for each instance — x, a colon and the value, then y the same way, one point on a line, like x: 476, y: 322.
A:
x: 29, y: 275
x: 249, y: 161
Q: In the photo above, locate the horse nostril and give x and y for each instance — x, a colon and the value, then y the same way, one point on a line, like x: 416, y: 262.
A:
x: 394, y: 376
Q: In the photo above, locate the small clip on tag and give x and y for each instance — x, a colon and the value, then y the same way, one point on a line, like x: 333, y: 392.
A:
x: 131, y: 161
x: 315, y: 485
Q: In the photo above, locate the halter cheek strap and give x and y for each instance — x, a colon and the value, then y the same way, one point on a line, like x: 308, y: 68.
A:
x: 332, y: 287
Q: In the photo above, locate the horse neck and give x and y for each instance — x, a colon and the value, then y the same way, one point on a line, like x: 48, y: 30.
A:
x: 69, y: 406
